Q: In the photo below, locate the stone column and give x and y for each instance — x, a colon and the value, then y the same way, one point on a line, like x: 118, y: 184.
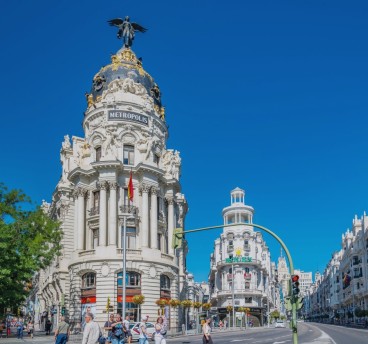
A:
x: 170, y: 222
x: 112, y: 214
x: 144, y: 189
x: 154, y: 225
x: 75, y: 232
x: 103, y: 213
x: 81, y: 218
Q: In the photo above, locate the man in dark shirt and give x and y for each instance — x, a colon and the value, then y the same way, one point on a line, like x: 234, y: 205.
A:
x: 108, y: 327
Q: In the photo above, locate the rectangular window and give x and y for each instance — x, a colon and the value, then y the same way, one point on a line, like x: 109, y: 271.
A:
x: 128, y: 155
x: 159, y: 241
x: 98, y: 153
x: 96, y: 199
x: 131, y: 238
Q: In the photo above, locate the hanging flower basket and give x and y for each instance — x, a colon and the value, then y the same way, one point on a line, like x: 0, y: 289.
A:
x: 229, y: 308
x: 206, y: 306
x: 187, y: 303
x: 138, y: 299
x: 174, y: 303
x: 197, y: 305
x: 241, y: 309
x: 162, y: 303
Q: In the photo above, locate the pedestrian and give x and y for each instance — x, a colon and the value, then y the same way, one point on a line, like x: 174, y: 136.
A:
x: 160, y: 331
x: 91, y: 332
x: 207, y: 332
x: 221, y: 325
x: 48, y: 326
x: 143, y: 331
x: 108, y: 328
x: 30, y: 328
x: 128, y: 333
x: 225, y: 324
x: 20, y: 328
x: 62, y: 332
x: 117, y: 330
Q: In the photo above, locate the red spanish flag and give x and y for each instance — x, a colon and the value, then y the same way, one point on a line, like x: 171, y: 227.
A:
x: 130, y: 187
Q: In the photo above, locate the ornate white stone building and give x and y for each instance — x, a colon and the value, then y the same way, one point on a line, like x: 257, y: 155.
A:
x: 340, y: 294
x: 241, y: 265
x: 125, y: 133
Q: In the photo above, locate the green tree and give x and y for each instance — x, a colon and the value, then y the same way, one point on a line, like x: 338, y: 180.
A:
x: 29, y: 241
x: 275, y: 314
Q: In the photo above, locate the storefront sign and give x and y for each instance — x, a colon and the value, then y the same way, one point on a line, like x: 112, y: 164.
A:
x: 122, y: 115
x: 238, y: 260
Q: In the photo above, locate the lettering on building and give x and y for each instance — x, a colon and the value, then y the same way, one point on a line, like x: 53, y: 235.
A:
x: 121, y: 115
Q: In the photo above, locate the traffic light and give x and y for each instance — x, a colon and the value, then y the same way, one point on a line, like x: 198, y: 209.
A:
x: 62, y: 310
x: 177, y: 237
x: 288, y: 306
x: 295, y: 285
x: 108, y: 304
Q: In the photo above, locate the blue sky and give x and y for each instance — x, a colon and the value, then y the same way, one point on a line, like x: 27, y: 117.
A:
x: 270, y: 96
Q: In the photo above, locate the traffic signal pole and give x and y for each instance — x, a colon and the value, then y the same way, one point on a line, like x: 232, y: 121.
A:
x: 179, y: 233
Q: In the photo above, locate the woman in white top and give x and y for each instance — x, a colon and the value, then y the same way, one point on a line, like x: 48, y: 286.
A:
x: 160, y: 331
x: 207, y: 332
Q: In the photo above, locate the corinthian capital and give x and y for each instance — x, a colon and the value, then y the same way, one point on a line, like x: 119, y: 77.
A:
x: 80, y: 192
x: 144, y: 188
x: 169, y: 200
x: 102, y: 185
x: 113, y: 185
x: 154, y: 190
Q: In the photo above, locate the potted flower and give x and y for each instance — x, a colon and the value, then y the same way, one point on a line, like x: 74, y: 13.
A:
x: 138, y: 300
x: 174, y: 303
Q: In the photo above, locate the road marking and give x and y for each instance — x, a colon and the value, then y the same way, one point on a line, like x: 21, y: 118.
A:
x: 241, y: 340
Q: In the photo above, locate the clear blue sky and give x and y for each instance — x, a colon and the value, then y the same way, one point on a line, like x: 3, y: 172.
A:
x: 270, y: 96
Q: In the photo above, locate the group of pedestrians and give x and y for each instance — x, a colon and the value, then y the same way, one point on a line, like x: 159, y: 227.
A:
x: 118, y: 329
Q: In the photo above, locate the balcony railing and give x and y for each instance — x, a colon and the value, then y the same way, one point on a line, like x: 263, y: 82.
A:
x: 94, y: 211
x: 128, y: 209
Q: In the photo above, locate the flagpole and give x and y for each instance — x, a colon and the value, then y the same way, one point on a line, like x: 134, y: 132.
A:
x: 124, y: 268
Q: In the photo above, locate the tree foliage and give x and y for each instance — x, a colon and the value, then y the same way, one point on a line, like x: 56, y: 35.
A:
x: 275, y: 314
x: 29, y: 241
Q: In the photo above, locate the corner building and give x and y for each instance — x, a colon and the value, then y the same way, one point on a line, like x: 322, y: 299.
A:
x: 125, y: 134
x: 241, y: 271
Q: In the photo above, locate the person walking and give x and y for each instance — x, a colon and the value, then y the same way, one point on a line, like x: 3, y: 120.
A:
x: 207, y: 332
x: 62, y: 332
x: 20, y: 328
x: 126, y: 324
x: 117, y: 330
x: 143, y: 331
x: 30, y: 328
x: 91, y: 331
x: 108, y: 327
x: 48, y: 326
x: 160, y: 331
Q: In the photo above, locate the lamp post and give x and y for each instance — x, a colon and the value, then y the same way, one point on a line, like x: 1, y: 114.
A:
x: 233, y: 291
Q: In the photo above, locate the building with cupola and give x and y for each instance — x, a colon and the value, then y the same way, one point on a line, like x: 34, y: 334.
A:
x: 241, y: 271
x: 125, y: 135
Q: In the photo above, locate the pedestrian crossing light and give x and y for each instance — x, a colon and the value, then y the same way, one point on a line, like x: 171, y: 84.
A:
x: 62, y: 310
x: 295, y: 285
x: 178, y: 237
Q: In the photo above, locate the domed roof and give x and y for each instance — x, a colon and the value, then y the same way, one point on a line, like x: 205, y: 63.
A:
x: 125, y: 65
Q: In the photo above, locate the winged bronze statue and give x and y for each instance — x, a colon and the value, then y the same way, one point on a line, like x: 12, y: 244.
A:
x: 126, y: 29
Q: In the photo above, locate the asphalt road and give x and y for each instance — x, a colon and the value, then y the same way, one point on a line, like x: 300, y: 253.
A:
x: 308, y: 333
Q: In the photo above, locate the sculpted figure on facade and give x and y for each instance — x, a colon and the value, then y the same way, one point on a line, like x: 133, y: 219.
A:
x: 66, y: 143
x: 171, y: 162
x: 64, y: 166
x: 111, y: 143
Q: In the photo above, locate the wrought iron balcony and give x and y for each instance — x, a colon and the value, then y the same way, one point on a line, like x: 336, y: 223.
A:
x: 94, y: 211
x: 128, y: 209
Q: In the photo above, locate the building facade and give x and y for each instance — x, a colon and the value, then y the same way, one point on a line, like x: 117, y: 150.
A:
x: 125, y: 138
x: 340, y: 294
x: 241, y: 272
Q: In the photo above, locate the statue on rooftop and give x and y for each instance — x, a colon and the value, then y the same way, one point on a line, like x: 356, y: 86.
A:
x: 126, y: 29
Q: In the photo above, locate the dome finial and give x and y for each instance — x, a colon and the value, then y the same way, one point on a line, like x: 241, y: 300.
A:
x: 126, y: 29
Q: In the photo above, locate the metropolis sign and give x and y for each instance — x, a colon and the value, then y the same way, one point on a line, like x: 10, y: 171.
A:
x: 238, y: 260
x: 121, y: 115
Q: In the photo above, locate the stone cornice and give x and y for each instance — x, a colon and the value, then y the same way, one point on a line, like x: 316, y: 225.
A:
x: 100, y: 165
x: 80, y: 172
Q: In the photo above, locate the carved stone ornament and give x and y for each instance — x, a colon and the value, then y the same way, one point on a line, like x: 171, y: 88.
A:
x: 152, y: 271
x: 144, y: 188
x: 102, y: 185
x: 66, y: 144
x: 154, y: 190
x: 105, y: 269
x: 171, y: 162
x: 80, y: 192
x: 113, y: 185
x: 169, y: 200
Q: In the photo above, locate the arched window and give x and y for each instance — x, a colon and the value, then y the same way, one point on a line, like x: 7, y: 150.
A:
x: 165, y: 285
x: 89, y: 280
x: 133, y: 279
x: 98, y: 152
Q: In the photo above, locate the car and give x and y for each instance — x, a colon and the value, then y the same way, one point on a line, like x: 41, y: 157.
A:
x: 279, y: 323
x: 134, y: 329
